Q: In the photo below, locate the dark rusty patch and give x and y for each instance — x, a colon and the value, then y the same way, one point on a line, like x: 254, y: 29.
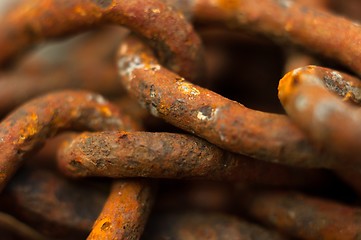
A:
x: 106, y: 226
x: 75, y: 163
x: 103, y: 3
x: 123, y: 135
x: 206, y: 111
x: 295, y: 81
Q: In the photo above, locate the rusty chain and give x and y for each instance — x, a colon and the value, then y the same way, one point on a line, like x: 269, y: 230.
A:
x: 166, y: 153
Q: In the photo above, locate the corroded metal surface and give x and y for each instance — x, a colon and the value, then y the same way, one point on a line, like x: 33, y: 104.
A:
x: 126, y: 211
x: 226, y: 123
x: 169, y: 155
x: 306, y: 97
x: 169, y: 124
x: 26, y: 129
x: 29, y: 22
x: 284, y: 20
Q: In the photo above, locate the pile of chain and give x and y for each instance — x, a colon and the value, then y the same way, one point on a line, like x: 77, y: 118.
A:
x: 117, y: 121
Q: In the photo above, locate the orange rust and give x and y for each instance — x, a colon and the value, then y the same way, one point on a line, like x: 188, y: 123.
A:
x: 230, y: 125
x: 297, y: 22
x: 286, y: 85
x: 308, y: 96
x: 106, y: 111
x: 173, y: 37
x: 228, y: 5
x: 179, y: 156
x: 219, y: 120
x: 30, y: 129
x: 26, y: 129
x: 125, y: 212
